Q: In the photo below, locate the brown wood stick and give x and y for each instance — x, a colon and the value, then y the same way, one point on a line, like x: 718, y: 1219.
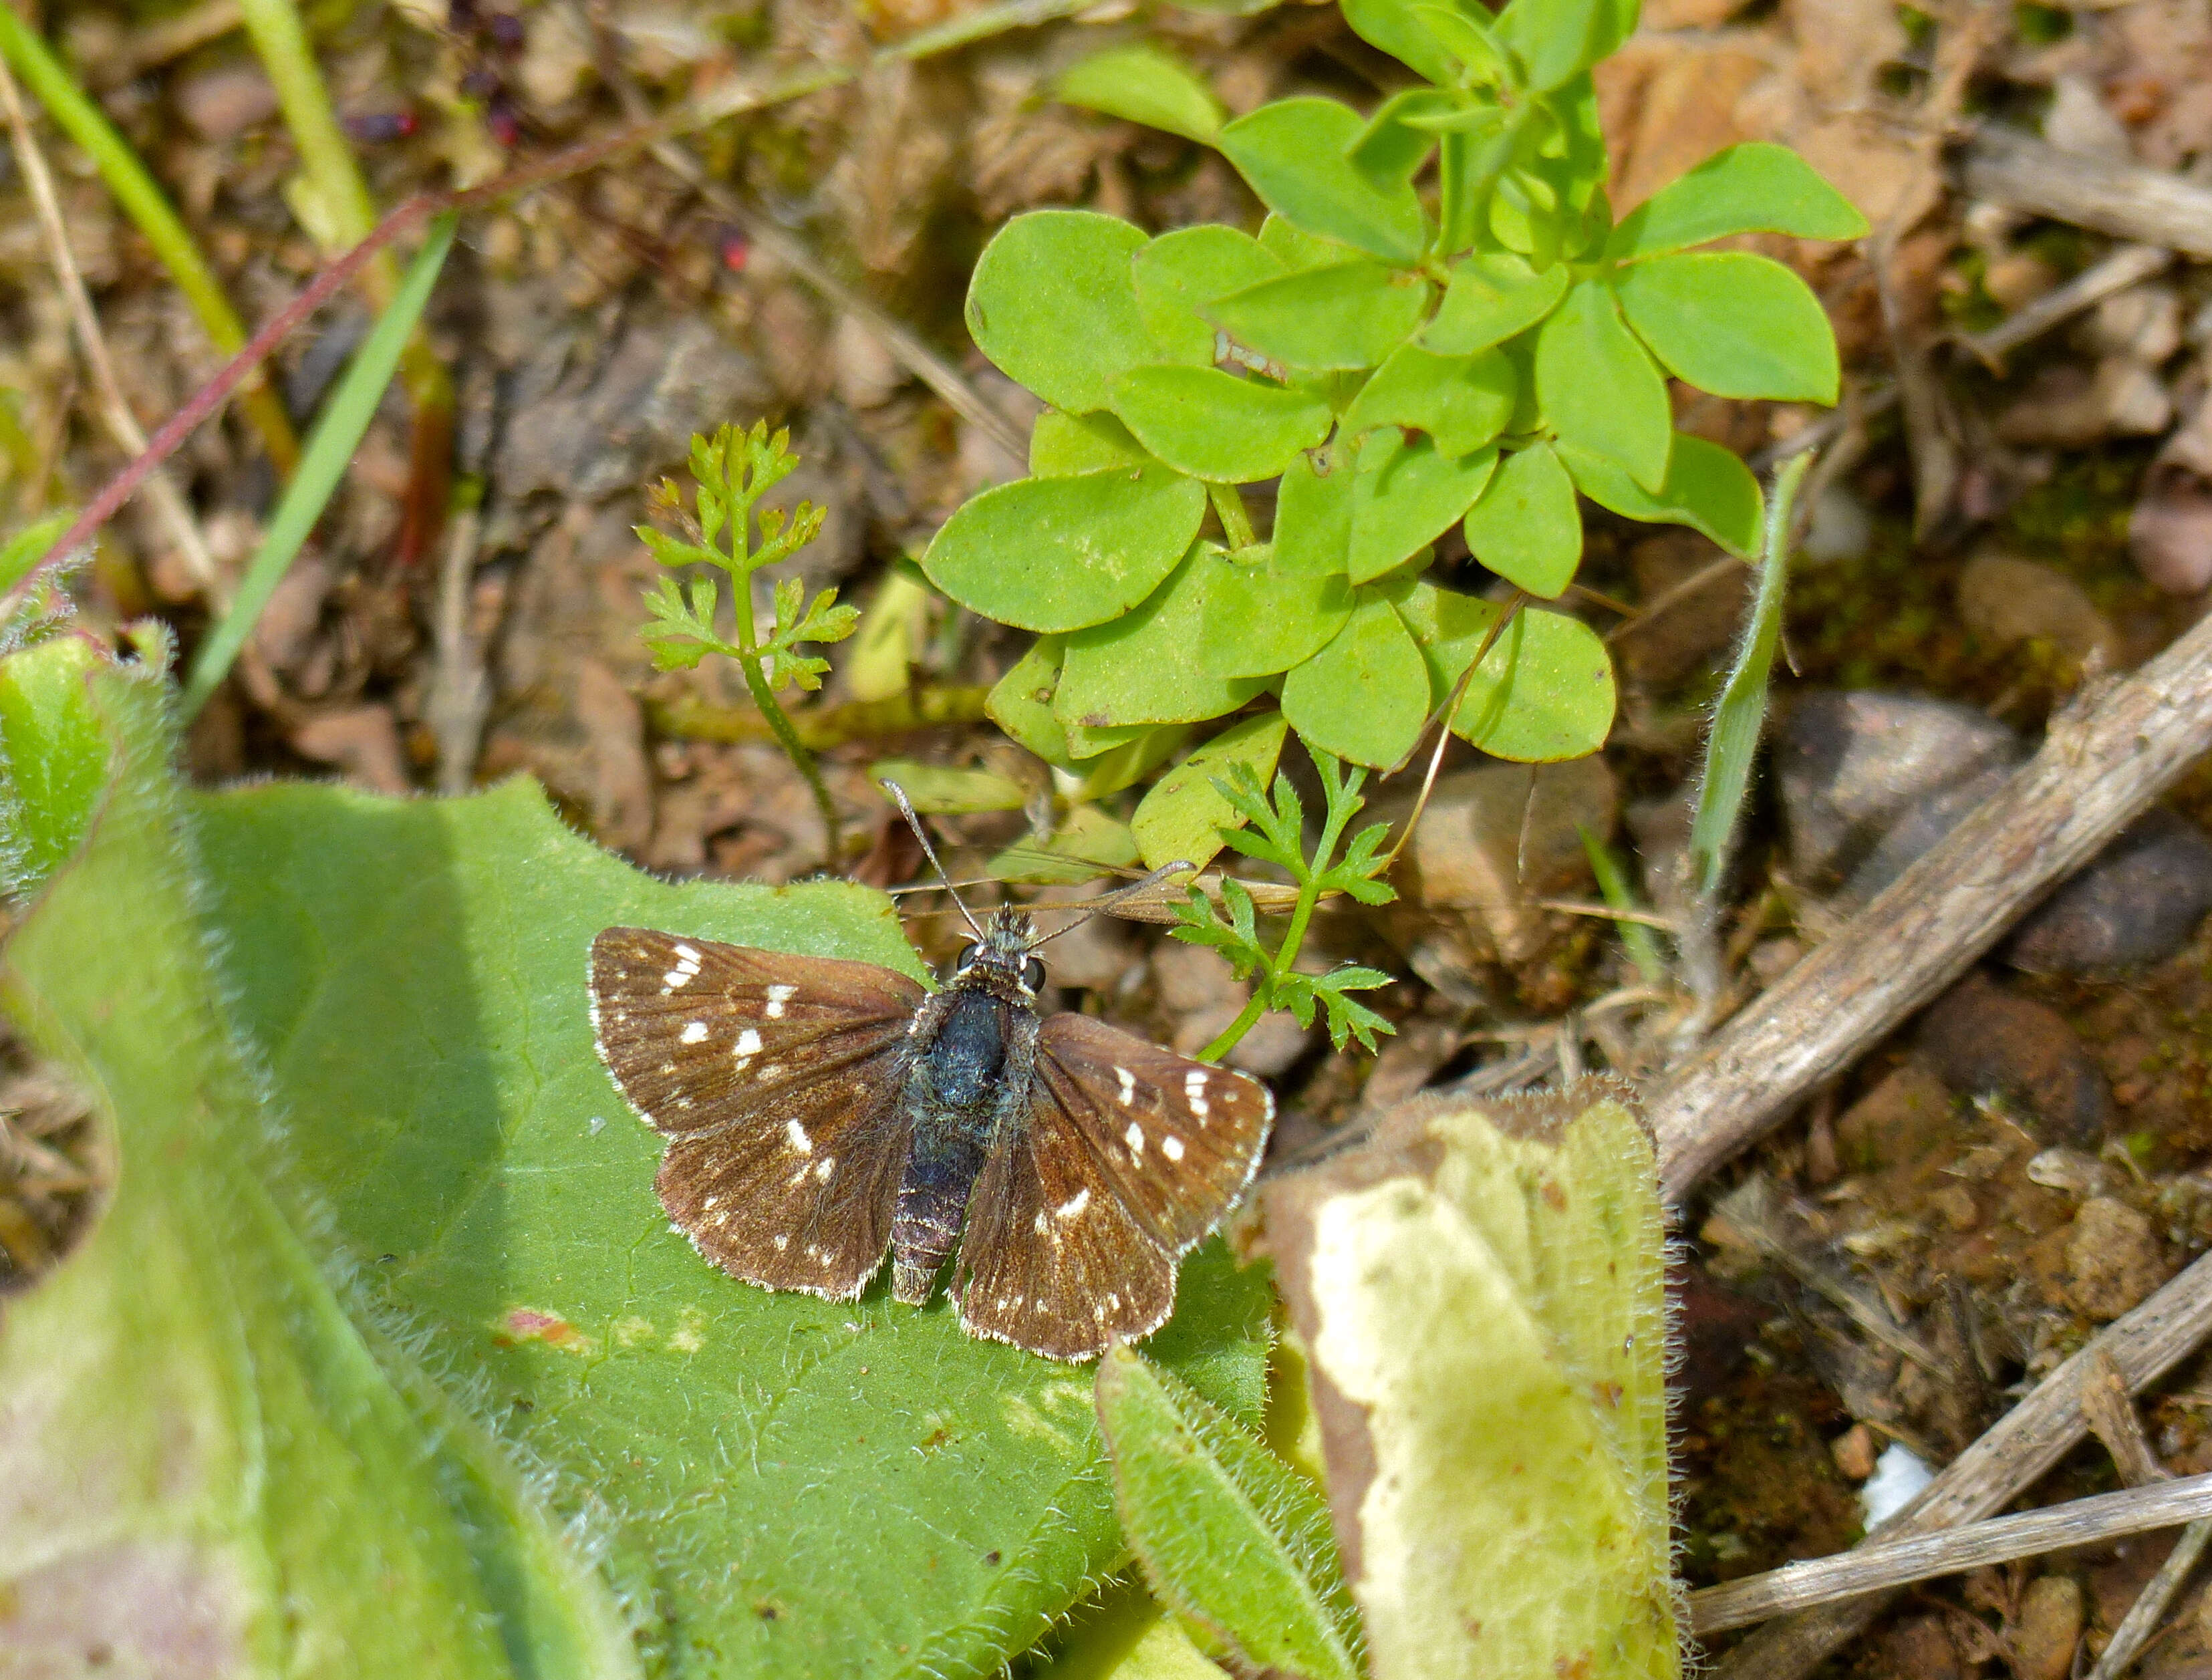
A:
x: 2106, y: 759
x: 2078, y: 1522
x: 2151, y: 206
x: 2011, y: 1457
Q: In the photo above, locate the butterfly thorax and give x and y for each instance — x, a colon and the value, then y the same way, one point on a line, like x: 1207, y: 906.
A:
x: 971, y: 1054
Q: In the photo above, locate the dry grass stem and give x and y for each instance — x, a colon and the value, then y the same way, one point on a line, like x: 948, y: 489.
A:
x: 169, y: 502
x: 2000, y: 1540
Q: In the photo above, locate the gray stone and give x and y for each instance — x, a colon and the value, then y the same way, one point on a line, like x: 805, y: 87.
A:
x: 1868, y: 781
x: 2137, y: 903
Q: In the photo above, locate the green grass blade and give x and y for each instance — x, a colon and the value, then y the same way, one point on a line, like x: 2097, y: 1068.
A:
x: 336, y: 436
x: 1742, y: 711
x: 1613, y: 885
x: 148, y: 208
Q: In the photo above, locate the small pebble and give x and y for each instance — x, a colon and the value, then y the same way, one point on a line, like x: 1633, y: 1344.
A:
x: 2137, y: 903
x: 2005, y: 600
x: 2047, y: 1629
x: 1851, y: 766
x: 1985, y: 1042
x: 1853, y: 1452
x: 2170, y: 536
x: 2113, y: 1260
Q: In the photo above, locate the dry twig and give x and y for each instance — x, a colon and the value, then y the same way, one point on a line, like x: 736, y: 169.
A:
x: 2150, y: 206
x: 2105, y: 761
x: 2012, y: 1456
x: 1870, y: 1569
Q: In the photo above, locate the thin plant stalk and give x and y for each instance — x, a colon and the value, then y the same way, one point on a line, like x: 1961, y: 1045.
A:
x: 1742, y: 713
x: 330, y: 448
x: 334, y: 177
x: 1340, y: 813
x: 1612, y: 886
x: 779, y: 721
x: 143, y: 200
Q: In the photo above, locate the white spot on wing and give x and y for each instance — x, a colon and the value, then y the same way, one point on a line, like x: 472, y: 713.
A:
x: 780, y: 1241
x: 1075, y: 1204
x: 1194, y: 1091
x: 800, y: 1140
x: 749, y: 1043
x: 1134, y: 1138
x: 1128, y: 1085
x: 687, y: 957
x: 778, y: 996
x: 695, y: 1031
x: 825, y: 1167
x: 1171, y: 1147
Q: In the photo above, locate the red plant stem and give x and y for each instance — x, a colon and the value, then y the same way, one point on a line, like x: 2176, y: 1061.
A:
x: 211, y: 397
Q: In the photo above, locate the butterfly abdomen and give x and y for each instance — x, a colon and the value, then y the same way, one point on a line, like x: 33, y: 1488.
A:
x: 972, y: 1056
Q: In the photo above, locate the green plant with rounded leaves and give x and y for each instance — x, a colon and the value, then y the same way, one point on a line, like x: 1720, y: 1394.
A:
x: 1440, y: 324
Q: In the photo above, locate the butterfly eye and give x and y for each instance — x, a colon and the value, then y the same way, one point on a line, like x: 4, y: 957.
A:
x: 968, y: 955
x: 1033, y: 974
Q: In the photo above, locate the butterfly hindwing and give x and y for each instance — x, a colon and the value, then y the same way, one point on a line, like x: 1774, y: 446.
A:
x: 779, y: 1078
x: 1130, y: 1155
x: 1179, y: 1140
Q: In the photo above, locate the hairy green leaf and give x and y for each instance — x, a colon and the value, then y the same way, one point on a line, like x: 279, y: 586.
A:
x: 1365, y: 695
x: 1292, y: 152
x: 787, y: 1486
x: 53, y: 757
x: 1732, y: 323
x: 1708, y: 487
x: 1755, y: 188
x: 1213, y: 425
x: 1599, y: 390
x: 1740, y: 716
x: 1481, y: 1290
x: 1144, y: 85
x: 1046, y: 270
x: 212, y: 1467
x: 1058, y: 553
x: 1229, y: 1535
x: 1183, y: 813
x: 1527, y: 527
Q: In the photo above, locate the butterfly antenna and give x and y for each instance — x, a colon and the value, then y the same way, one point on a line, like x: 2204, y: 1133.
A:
x: 906, y: 808
x: 1108, y: 900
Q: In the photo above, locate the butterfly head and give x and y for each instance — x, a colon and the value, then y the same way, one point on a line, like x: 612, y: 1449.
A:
x: 1000, y: 960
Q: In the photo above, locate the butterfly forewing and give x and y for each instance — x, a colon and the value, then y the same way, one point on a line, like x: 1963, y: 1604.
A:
x: 778, y: 1076
x: 1178, y: 1140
